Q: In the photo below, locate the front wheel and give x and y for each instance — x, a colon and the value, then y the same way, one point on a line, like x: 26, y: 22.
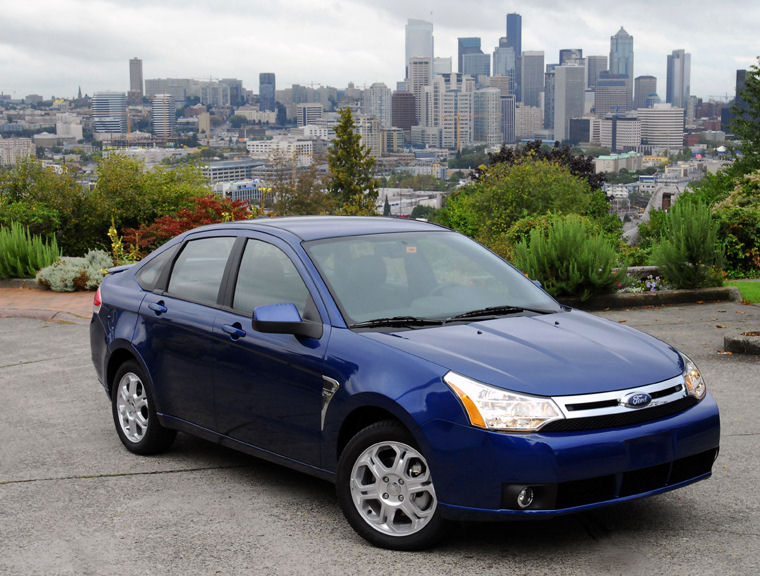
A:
x: 386, y: 491
x: 134, y: 412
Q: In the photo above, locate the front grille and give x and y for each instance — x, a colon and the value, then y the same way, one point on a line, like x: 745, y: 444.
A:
x: 620, y: 419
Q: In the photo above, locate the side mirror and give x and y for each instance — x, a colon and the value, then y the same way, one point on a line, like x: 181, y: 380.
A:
x: 284, y: 319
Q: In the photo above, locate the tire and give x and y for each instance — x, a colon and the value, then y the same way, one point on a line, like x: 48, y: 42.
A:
x: 134, y: 412
x: 385, y: 489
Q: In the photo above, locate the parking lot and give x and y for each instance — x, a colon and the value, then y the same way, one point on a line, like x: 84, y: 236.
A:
x: 74, y: 501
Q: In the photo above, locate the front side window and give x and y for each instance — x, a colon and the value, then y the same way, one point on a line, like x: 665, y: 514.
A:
x: 198, y: 271
x: 268, y: 276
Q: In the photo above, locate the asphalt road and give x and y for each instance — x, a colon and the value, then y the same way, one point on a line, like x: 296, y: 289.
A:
x: 74, y: 501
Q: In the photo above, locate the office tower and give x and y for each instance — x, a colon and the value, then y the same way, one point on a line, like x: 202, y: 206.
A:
x: 662, y: 126
x: 611, y: 95
x: 215, y: 93
x: 136, y: 92
x: 620, y: 133
x: 376, y: 101
x: 466, y: 46
x: 621, y: 58
x: 595, y: 65
x: 508, y: 120
x: 532, y: 78
x: 569, y: 89
x: 441, y: 65
x: 419, y: 42
x: 679, y: 79
x: 164, y: 115
x: 741, y: 79
x: 514, y: 39
x: 402, y: 111
x: 267, y: 88
x: 643, y: 87
x: 236, y: 90
x: 420, y: 75
x: 109, y: 112
x: 504, y: 60
x: 308, y: 113
x: 487, y: 116
x: 476, y: 65
x: 548, y: 100
x: 570, y: 56
x: 457, y: 120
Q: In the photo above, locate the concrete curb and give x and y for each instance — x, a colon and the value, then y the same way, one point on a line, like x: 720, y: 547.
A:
x: 744, y: 343
x: 664, y: 297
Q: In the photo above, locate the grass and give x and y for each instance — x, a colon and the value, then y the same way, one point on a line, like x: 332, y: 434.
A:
x: 750, y: 289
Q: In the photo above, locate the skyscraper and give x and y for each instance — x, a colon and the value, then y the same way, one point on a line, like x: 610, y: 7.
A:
x: 505, y: 63
x: 532, y: 78
x: 402, y: 112
x: 612, y: 95
x: 420, y: 75
x: 570, y: 55
x: 476, y: 64
x: 164, y: 115
x: 135, y: 80
x: 487, y: 116
x: 376, y: 101
x: 109, y: 112
x: 679, y: 79
x: 419, y: 42
x: 644, y: 86
x: 466, y: 46
x: 266, y: 91
x: 621, y: 58
x: 569, y: 88
x: 595, y: 65
x: 514, y: 39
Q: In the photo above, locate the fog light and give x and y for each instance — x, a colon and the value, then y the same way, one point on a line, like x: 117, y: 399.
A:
x: 525, y: 497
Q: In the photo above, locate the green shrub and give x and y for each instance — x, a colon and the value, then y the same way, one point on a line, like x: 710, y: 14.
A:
x: 23, y: 253
x: 570, y: 258
x: 76, y: 273
x: 688, y: 253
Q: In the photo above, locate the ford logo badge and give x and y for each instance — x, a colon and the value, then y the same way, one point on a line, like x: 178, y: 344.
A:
x: 636, y: 400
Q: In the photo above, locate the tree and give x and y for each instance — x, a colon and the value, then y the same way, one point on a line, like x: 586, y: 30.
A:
x: 299, y: 192
x: 746, y: 121
x: 351, y: 182
x: 386, y: 207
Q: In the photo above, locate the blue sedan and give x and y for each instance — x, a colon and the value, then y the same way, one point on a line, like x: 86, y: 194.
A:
x: 425, y: 376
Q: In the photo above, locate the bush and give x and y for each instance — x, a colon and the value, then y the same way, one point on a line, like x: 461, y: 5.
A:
x: 570, y: 258
x: 76, y: 273
x: 688, y: 253
x: 22, y: 253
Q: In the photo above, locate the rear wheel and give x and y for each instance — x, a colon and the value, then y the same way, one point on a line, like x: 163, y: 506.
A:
x: 134, y: 412
x: 386, y: 491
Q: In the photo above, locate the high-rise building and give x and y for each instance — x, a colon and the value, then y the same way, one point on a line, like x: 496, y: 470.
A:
x: 402, y: 112
x: 215, y: 93
x: 466, y: 46
x: 109, y: 112
x: 136, y: 92
x: 419, y: 41
x: 679, y: 78
x: 267, y: 89
x: 621, y: 57
x: 548, y: 100
x: 420, y: 75
x: 595, y: 65
x: 308, y: 113
x: 457, y: 120
x: 487, y: 116
x: 532, y: 78
x: 237, y: 97
x: 508, y: 120
x: 376, y: 101
x: 611, y: 95
x: 620, y: 133
x: 505, y: 62
x: 643, y: 88
x: 476, y: 65
x: 164, y: 115
x: 569, y: 89
x: 514, y: 39
x: 662, y: 126
x: 441, y: 65
x: 570, y: 56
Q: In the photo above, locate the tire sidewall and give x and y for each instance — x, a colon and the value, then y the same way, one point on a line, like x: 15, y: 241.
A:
x: 384, y: 431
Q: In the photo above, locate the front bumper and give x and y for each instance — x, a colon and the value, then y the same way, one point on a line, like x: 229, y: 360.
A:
x: 569, y: 471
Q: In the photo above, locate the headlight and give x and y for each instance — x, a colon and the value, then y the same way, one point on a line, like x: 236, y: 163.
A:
x: 497, y: 409
x: 695, y: 384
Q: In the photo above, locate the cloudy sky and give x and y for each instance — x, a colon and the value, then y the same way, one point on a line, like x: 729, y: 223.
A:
x: 53, y: 47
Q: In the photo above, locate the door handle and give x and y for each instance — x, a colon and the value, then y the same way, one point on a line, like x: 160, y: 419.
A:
x: 158, y: 308
x: 234, y: 330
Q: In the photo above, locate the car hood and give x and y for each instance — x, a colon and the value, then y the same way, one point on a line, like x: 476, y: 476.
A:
x: 565, y: 353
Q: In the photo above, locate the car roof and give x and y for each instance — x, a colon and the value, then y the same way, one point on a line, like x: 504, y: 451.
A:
x: 319, y: 227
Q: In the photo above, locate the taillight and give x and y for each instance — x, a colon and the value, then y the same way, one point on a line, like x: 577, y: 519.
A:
x: 96, y: 302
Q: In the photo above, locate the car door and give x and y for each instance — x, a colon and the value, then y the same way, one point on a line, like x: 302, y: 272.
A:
x: 175, y: 331
x: 268, y: 387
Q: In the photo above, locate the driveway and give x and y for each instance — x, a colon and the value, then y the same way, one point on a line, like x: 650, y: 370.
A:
x: 74, y: 501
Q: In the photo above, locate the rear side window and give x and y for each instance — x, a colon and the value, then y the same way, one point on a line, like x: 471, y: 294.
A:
x: 198, y: 271
x: 150, y: 274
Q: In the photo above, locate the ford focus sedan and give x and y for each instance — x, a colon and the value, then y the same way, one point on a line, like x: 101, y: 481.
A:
x: 425, y: 376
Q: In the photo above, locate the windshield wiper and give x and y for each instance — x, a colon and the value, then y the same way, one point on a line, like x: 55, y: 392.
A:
x: 402, y: 321
x: 493, y: 311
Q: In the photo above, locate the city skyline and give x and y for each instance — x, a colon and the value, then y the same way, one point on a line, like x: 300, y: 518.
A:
x: 54, y: 48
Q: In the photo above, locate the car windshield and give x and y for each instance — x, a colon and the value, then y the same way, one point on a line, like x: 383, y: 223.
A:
x: 408, y: 278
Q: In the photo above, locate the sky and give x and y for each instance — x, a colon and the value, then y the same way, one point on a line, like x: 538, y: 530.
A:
x: 55, y: 47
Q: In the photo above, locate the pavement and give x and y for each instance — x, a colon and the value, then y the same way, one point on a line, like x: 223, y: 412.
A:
x: 74, y: 501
